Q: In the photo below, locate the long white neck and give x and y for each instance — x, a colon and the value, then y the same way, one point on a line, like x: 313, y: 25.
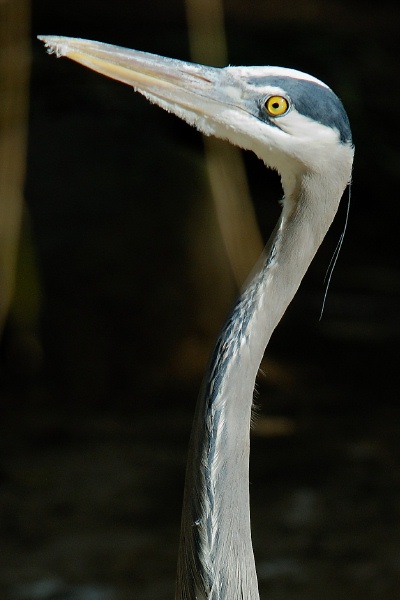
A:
x: 216, y: 559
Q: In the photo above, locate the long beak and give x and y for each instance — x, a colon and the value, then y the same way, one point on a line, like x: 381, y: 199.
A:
x: 176, y: 85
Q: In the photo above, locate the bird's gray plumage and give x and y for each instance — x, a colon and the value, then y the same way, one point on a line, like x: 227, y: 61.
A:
x: 309, y: 143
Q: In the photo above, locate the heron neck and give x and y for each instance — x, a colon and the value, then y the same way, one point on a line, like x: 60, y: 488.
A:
x: 216, y: 559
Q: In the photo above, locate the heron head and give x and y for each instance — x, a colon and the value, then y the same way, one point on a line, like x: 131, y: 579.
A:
x: 291, y: 120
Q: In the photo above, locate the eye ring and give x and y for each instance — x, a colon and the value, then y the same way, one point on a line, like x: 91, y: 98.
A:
x: 276, y: 106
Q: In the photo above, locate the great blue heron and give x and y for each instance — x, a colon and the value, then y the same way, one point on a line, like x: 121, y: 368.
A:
x: 296, y: 125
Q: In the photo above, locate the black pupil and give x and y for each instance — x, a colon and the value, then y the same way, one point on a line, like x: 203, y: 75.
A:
x: 275, y: 105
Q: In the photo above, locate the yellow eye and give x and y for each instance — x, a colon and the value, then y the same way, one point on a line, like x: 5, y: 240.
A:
x: 276, y: 106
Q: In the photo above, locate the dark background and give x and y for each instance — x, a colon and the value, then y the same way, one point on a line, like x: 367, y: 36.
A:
x: 123, y: 286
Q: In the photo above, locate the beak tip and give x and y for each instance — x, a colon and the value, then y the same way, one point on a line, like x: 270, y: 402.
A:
x: 55, y: 44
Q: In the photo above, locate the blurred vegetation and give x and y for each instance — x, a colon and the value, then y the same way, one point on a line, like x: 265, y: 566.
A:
x: 14, y: 78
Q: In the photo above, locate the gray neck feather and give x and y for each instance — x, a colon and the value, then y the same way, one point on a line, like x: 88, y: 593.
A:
x: 216, y: 559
